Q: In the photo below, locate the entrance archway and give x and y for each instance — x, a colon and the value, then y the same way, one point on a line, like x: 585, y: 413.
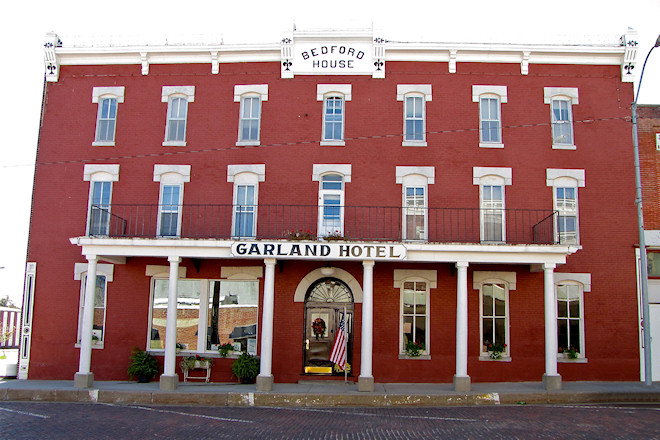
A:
x: 325, y: 302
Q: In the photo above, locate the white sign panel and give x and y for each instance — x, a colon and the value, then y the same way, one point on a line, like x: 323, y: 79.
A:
x: 316, y: 251
x: 333, y: 58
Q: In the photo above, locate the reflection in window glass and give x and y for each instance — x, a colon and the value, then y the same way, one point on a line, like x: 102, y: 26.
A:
x: 99, y: 307
x: 232, y: 314
x: 568, y: 318
x: 187, y: 316
x: 493, y: 315
x: 414, y: 312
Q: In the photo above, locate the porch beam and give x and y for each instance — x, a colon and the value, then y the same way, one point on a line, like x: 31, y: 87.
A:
x: 551, y: 379
x: 84, y: 378
x: 265, y: 378
x: 461, y: 378
x: 366, y: 378
x: 169, y: 380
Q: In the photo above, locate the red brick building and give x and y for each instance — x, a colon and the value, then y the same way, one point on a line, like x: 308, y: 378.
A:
x: 466, y: 207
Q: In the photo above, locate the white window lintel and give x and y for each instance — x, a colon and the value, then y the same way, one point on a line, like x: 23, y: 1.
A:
x: 319, y: 169
x: 429, y: 276
x: 478, y: 173
x: 101, y: 173
x: 569, y: 92
x: 428, y: 172
x: 153, y: 270
x: 189, y: 91
x: 242, y: 89
x: 258, y: 169
x: 182, y: 170
x: 581, y: 278
x: 242, y: 273
x: 116, y: 92
x: 403, y: 89
x: 480, y: 277
x: 101, y: 269
x: 324, y: 89
x: 554, y: 176
x: 477, y: 91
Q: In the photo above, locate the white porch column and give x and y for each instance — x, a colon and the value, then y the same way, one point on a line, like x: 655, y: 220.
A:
x: 265, y: 378
x: 84, y: 378
x: 366, y: 378
x: 461, y: 378
x: 551, y: 379
x: 169, y: 380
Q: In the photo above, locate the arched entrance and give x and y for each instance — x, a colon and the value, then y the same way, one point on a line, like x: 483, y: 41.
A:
x: 324, y: 307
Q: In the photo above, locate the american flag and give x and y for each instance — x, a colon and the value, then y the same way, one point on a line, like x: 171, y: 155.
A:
x: 338, y: 355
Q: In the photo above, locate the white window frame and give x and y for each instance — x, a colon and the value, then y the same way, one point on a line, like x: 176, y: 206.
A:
x: 508, y: 280
x: 430, y: 277
x: 249, y: 91
x: 565, y: 178
x: 245, y: 175
x: 414, y: 177
x: 99, y: 96
x: 94, y: 173
x: 499, y: 93
x: 319, y: 171
x: 491, y: 176
x: 323, y: 93
x: 419, y: 91
x: 583, y: 283
x: 169, y: 93
x: 228, y: 274
x: 170, y: 175
x: 568, y: 95
x: 80, y: 274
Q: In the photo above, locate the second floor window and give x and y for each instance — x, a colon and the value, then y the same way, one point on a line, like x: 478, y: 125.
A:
x: 331, y: 205
x: 245, y: 211
x: 415, y: 213
x: 170, y: 210
x: 177, y: 113
x: 333, y: 118
x: 492, y: 213
x: 99, y: 209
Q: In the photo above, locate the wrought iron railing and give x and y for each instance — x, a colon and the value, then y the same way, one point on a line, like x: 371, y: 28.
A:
x: 360, y: 223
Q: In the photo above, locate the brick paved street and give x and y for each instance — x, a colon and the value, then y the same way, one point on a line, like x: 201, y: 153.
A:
x: 30, y: 420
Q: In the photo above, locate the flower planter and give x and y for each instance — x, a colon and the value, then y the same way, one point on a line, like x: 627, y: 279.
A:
x: 198, y: 365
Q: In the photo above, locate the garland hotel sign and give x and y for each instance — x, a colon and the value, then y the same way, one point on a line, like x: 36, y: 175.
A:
x: 328, y: 251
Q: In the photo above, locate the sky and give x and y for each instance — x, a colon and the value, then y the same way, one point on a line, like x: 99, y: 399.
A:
x: 260, y: 21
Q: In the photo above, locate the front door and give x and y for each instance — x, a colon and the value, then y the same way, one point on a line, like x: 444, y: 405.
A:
x: 324, y: 308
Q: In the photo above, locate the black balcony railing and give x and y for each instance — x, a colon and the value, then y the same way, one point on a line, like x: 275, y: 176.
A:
x: 360, y: 223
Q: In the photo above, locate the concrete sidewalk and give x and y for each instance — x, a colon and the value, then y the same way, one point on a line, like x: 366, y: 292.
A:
x: 328, y: 394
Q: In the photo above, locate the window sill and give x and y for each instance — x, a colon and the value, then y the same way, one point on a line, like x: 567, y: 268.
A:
x: 564, y: 147
x: 490, y: 145
x: 174, y: 144
x: 489, y: 359
x: 98, y: 346
x: 422, y: 357
x: 565, y: 360
x: 248, y: 143
x: 333, y: 143
x: 103, y: 144
x: 413, y: 144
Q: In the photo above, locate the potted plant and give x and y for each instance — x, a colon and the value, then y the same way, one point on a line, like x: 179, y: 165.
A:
x: 495, y: 350
x: 414, y: 349
x: 572, y: 353
x: 179, y: 347
x: 224, y: 349
x: 246, y: 368
x: 143, y: 366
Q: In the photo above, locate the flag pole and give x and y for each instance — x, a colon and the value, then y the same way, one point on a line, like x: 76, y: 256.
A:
x: 346, y: 346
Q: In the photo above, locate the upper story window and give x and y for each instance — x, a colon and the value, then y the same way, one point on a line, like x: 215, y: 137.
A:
x: 170, y: 205
x: 570, y: 288
x: 246, y: 180
x: 100, y: 197
x: 565, y: 185
x: 332, y: 179
x: 490, y: 99
x: 177, y: 98
x: 250, y: 98
x: 494, y: 290
x: 108, y: 99
x: 415, y: 181
x: 334, y: 97
x: 561, y: 100
x: 414, y: 97
x: 492, y: 182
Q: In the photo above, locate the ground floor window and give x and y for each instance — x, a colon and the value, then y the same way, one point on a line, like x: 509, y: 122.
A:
x: 414, y: 317
x: 209, y: 313
x: 494, y: 320
x: 570, y: 325
x: 99, y: 308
